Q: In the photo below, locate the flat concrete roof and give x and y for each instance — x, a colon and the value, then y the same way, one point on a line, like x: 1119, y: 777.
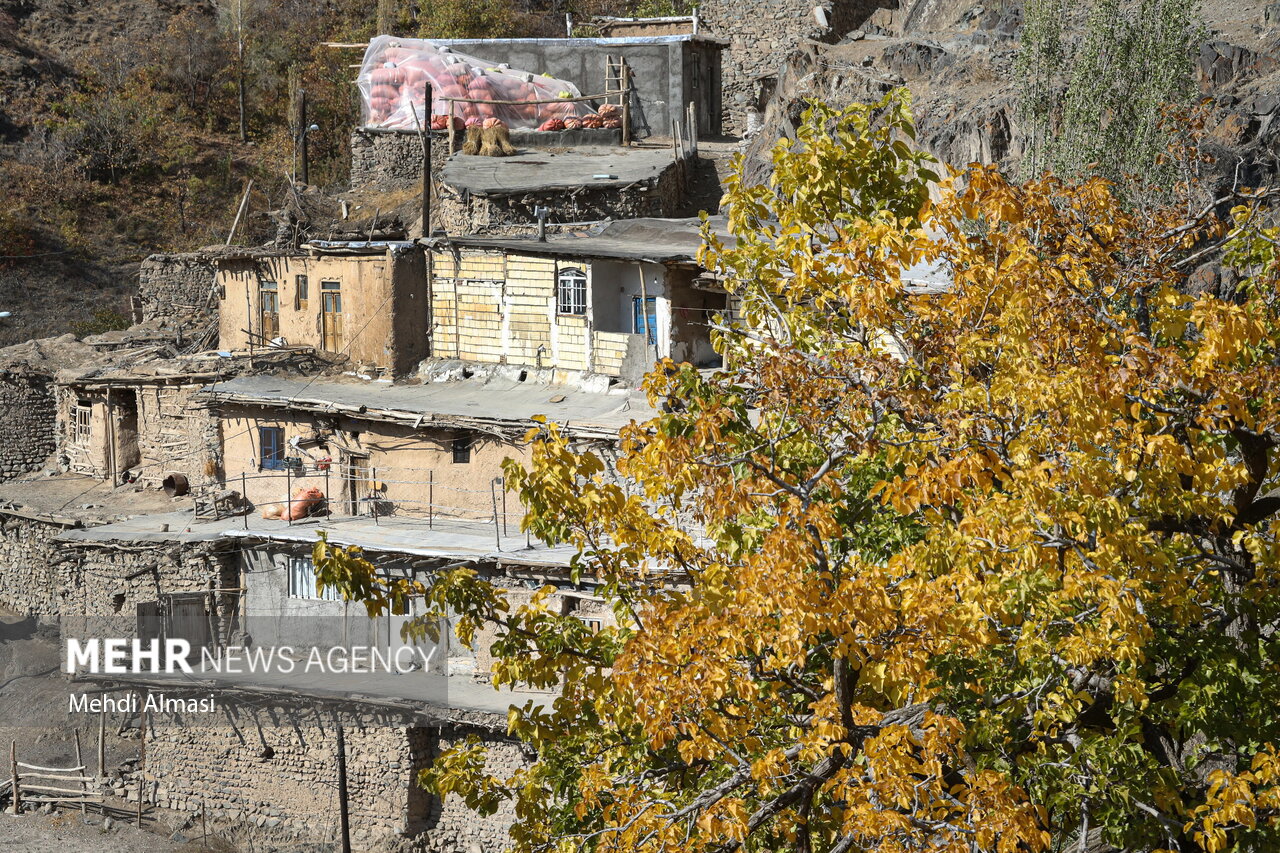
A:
x: 544, y: 170
x: 496, y: 404
x: 441, y: 538
x: 648, y: 239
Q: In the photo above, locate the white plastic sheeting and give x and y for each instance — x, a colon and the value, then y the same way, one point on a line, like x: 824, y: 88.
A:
x: 395, y: 72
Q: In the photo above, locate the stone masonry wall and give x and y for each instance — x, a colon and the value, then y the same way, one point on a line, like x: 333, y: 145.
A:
x: 104, y: 584
x: 268, y: 772
x: 383, y: 161
x: 176, y: 288
x: 460, y: 213
x: 761, y: 33
x: 31, y: 568
x: 27, y: 422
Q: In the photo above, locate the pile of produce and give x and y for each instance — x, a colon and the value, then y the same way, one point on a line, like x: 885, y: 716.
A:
x: 610, y: 116
x: 395, y: 73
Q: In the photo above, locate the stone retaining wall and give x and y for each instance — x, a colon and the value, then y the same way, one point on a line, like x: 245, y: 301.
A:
x: 383, y: 161
x: 31, y: 568
x: 176, y: 288
x: 267, y: 771
x: 463, y: 213
x: 27, y: 422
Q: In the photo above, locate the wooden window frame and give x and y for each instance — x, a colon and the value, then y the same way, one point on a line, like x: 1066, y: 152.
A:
x: 272, y: 464
x: 461, y: 446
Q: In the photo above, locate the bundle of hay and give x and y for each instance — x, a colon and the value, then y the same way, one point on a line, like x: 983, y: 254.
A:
x: 495, y: 139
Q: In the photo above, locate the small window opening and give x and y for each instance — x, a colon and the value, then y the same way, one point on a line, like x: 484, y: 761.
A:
x: 271, y: 448
x: 462, y: 445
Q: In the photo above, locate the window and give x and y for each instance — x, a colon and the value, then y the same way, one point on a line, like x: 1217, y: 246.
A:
x: 462, y: 444
x: 571, y: 291
x: 271, y: 448
x: 268, y: 310
x: 83, y: 422
x: 300, y: 292
x: 646, y: 321
x: 302, y: 582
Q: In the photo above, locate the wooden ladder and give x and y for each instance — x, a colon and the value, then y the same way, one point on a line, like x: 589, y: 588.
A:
x: 617, y: 84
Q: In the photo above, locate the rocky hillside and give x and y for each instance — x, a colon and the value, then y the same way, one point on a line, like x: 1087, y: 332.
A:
x: 959, y: 59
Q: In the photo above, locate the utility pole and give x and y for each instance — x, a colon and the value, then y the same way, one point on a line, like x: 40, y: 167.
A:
x: 244, y: 136
x: 425, y: 130
x: 302, y: 123
x: 344, y: 821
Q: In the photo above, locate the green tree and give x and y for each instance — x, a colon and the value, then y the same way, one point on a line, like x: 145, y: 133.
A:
x: 1094, y: 105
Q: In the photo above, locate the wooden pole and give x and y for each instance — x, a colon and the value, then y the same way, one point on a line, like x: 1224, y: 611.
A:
x: 426, y: 165
x: 80, y: 761
x: 431, y: 498
x: 343, y: 817
x: 502, y: 481
x: 244, y: 202
x: 497, y: 531
x: 626, y: 102
x: 142, y: 765
x: 13, y: 769
x: 302, y: 111
x: 102, y: 744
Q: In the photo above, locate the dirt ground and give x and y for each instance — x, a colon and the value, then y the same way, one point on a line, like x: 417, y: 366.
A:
x: 33, y: 717
x: 68, y: 832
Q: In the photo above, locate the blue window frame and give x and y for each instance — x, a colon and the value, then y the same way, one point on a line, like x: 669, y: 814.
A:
x: 271, y: 448
x: 638, y: 319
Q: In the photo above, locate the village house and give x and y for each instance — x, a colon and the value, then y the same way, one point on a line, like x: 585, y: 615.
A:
x: 136, y: 422
x: 366, y: 302
x: 612, y: 300
x: 422, y: 450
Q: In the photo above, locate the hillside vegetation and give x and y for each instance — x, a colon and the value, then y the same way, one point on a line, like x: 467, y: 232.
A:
x: 122, y: 131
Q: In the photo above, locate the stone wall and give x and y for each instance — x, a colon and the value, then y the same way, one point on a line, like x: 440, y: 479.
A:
x: 267, y: 771
x: 175, y: 288
x: 762, y: 32
x: 386, y: 160
x: 464, y: 213
x: 103, y: 584
x: 27, y: 422
x: 31, y: 567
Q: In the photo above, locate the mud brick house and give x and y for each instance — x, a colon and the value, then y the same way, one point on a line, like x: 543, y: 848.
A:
x: 135, y: 420
x: 611, y: 300
x: 366, y: 302
x: 410, y: 450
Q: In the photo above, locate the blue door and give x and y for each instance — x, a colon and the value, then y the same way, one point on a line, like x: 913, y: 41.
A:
x: 638, y: 325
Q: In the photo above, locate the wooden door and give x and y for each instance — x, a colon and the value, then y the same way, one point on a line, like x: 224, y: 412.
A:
x: 331, y: 316
x: 268, y: 311
x: 187, y: 617
x: 355, y: 475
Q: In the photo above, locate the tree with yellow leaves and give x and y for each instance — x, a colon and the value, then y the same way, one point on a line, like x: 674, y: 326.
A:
x: 982, y: 567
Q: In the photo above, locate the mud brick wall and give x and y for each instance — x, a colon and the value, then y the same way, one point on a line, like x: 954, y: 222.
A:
x: 176, y: 288
x: 28, y: 428
x: 31, y: 568
x: 268, y: 772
